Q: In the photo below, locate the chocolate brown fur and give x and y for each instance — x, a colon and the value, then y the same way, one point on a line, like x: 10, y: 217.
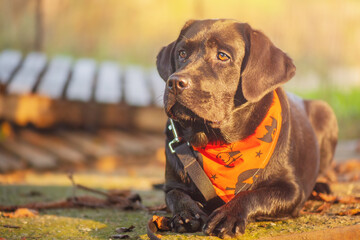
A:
x: 224, y: 101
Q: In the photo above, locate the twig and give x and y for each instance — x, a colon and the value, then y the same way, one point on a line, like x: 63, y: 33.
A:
x: 75, y: 185
x: 9, y: 226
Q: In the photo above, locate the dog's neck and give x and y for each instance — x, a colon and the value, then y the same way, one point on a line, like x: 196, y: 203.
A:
x: 240, y: 124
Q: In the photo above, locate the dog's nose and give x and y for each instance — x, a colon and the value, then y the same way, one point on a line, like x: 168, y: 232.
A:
x: 177, y: 84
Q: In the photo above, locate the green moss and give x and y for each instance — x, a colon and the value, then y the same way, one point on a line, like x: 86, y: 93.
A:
x: 87, y: 223
x: 49, y: 227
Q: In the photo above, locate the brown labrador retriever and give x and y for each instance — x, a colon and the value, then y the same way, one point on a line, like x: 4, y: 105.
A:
x: 222, y: 77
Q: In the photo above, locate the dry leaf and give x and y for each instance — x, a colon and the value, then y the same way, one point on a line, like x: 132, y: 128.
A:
x: 351, y: 165
x: 162, y: 223
x: 21, y: 212
x: 323, y: 208
x: 10, y: 226
x: 351, y: 212
x: 124, y: 229
x: 349, y: 200
x: 324, y: 197
x: 119, y: 236
x: 327, y: 198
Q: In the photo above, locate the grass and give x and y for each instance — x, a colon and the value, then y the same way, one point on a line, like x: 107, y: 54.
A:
x: 87, y: 223
x: 79, y: 223
x: 346, y: 104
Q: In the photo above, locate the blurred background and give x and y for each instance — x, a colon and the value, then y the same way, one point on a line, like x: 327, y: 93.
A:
x: 322, y: 37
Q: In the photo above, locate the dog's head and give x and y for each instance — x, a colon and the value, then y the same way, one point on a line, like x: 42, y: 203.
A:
x: 215, y: 66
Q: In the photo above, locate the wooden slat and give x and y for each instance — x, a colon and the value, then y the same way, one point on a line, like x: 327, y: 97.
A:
x: 126, y: 144
x: 81, y: 83
x: 137, y: 91
x: 27, y: 76
x: 53, y: 144
x: 133, y: 143
x: 55, y: 77
x: 9, y: 61
x: 114, y: 115
x: 25, y: 109
x: 157, y: 87
x: 150, y: 119
x: 108, y: 87
x: 86, y: 143
x: 9, y: 162
x: 33, y: 156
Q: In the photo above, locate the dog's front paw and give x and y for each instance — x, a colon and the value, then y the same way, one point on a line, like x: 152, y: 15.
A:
x: 225, y: 223
x: 188, y: 221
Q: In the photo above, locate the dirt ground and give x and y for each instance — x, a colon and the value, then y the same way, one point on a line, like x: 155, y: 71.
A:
x: 319, y: 216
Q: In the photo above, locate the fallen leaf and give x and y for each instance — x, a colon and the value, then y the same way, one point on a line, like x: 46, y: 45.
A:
x: 323, y: 197
x: 349, y: 200
x: 351, y: 165
x: 323, y: 208
x: 21, y: 212
x: 124, y: 229
x: 327, y: 197
x: 32, y: 193
x: 351, y: 212
x: 120, y: 236
x: 162, y: 223
x: 9, y: 226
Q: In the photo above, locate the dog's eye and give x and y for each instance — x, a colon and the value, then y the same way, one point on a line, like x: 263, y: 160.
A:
x: 182, y: 54
x: 222, y: 56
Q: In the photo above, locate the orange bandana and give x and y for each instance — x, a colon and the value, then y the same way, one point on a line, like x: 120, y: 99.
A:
x: 233, y: 167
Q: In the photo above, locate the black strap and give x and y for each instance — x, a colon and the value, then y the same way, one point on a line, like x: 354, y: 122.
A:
x: 195, y: 171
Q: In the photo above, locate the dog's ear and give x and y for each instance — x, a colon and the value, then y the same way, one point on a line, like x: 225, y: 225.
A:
x: 264, y: 67
x: 164, y: 61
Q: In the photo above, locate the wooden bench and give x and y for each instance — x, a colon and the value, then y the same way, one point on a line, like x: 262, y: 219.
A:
x: 64, y: 98
x: 50, y: 91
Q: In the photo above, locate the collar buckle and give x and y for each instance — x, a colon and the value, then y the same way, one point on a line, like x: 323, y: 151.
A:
x: 176, y: 139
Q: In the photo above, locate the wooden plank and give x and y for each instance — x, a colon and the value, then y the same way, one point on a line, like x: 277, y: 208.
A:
x: 137, y: 91
x: 125, y: 143
x: 82, y: 80
x: 149, y: 119
x: 25, y: 79
x: 114, y: 115
x: 108, y: 87
x: 135, y: 147
x: 70, y: 113
x: 55, y: 77
x: 25, y: 109
x: 33, y: 156
x: 54, y: 145
x: 157, y: 85
x: 9, y: 61
x: 9, y: 162
x: 86, y: 143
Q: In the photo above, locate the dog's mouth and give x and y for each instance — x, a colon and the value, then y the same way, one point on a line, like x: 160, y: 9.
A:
x: 187, y: 117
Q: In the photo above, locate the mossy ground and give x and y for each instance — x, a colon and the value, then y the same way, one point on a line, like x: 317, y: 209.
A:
x: 87, y: 223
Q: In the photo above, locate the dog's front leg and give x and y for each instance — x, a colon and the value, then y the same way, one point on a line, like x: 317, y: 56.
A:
x: 187, y: 214
x: 230, y: 219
